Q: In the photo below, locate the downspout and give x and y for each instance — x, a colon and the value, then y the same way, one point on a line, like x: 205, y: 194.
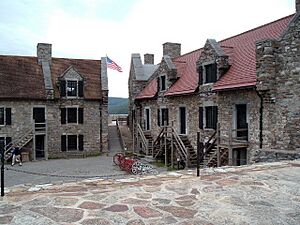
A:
x: 260, y: 119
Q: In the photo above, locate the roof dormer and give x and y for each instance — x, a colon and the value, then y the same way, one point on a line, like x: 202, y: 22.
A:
x: 71, y: 84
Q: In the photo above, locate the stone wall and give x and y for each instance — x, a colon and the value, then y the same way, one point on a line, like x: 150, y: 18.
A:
x: 227, y: 101
x: 134, y: 88
x: 278, y: 71
x: 22, y: 120
x: 104, y: 122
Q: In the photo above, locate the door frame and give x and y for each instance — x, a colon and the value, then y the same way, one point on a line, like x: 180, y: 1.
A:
x: 147, y: 118
x: 234, y: 118
x: 42, y: 133
x: 180, y: 121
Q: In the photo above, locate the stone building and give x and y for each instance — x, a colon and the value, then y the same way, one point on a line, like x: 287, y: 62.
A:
x: 53, y: 107
x: 241, y: 94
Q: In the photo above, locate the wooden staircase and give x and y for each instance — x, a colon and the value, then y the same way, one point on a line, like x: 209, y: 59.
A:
x: 175, y: 146
x: 21, y: 141
x: 191, y: 152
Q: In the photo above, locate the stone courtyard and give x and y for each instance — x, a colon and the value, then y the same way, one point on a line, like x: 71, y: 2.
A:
x: 256, y: 194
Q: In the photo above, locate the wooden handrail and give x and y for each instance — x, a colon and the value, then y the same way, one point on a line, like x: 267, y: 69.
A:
x: 123, y: 144
x: 143, y: 138
x: 10, y: 145
x: 181, y: 145
x: 160, y: 135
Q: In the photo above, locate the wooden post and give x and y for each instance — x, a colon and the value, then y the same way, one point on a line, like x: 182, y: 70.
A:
x: 172, y: 147
x: 133, y: 137
x: 230, y: 153
x: 198, y: 154
x: 218, y: 145
x: 46, y: 141
x: 166, y: 157
x: 33, y: 141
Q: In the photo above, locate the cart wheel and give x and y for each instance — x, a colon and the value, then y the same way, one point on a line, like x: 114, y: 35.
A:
x: 136, y: 168
x: 117, y: 158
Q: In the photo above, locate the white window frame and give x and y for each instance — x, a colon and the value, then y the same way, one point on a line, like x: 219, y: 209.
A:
x: 77, y: 113
x: 207, y: 104
x: 186, y: 119
x: 234, y: 118
x: 77, y: 87
x: 145, y: 116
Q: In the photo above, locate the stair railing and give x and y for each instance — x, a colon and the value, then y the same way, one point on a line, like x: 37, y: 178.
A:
x: 208, y: 145
x: 17, y: 140
x: 156, y: 142
x: 143, y: 138
x: 181, y: 147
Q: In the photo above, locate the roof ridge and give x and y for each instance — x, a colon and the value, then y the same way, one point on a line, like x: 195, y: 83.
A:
x: 255, y: 28
x: 266, y: 24
x: 29, y: 56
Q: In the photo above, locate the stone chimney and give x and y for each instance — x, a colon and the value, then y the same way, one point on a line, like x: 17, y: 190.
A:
x: 149, y: 58
x: 297, y: 6
x: 44, y: 57
x: 44, y: 53
x: 172, y: 49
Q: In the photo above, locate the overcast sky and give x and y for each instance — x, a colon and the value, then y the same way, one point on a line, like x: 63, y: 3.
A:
x: 93, y: 28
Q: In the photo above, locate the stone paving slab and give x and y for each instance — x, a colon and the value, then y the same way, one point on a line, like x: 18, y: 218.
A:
x: 256, y: 194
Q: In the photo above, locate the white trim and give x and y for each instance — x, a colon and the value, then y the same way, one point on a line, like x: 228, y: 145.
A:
x: 77, y: 113
x: 77, y: 147
x: 145, y: 118
x: 179, y: 120
x: 77, y: 88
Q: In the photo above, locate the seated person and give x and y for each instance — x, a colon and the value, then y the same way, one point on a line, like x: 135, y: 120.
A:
x: 16, y: 156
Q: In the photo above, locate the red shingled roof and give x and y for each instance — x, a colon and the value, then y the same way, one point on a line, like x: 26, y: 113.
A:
x: 22, y: 78
x: 241, y: 51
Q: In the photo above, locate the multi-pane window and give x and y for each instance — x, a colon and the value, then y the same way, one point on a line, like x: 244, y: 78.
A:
x: 5, y: 116
x: 163, y: 117
x: 211, y: 73
x: 72, y: 142
x: 211, y: 117
x: 71, y: 88
x: 71, y: 115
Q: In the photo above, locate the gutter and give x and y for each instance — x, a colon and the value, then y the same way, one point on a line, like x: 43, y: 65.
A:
x: 260, y: 119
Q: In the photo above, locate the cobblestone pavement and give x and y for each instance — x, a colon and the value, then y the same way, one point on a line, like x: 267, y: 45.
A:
x: 258, y: 194
x: 72, y: 169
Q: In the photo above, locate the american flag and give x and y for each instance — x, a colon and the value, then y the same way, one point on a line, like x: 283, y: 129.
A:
x: 112, y: 65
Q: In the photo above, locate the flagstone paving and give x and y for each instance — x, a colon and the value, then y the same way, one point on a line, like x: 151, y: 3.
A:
x: 257, y: 194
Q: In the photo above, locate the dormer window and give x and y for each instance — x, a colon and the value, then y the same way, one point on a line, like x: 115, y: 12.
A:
x: 162, y: 83
x: 71, y: 88
x: 211, y: 73
x: 71, y: 84
x: 208, y: 73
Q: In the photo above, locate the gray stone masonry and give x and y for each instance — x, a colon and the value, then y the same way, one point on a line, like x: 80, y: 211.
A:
x: 44, y: 53
x: 172, y: 49
x: 148, y: 58
x: 90, y: 129
x: 278, y: 81
x: 226, y: 116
